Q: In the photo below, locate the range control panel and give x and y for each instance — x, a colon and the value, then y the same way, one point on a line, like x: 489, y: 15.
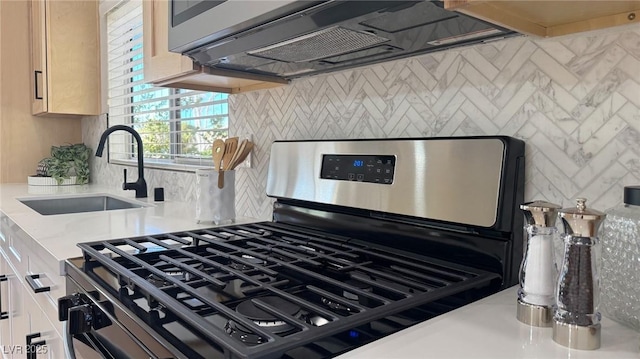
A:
x: 360, y: 168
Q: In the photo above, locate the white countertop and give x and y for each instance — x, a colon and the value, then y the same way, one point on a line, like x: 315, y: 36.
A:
x: 59, y: 234
x: 487, y: 329
x: 484, y: 329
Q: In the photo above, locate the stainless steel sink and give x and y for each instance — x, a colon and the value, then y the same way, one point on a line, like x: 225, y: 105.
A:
x: 78, y: 204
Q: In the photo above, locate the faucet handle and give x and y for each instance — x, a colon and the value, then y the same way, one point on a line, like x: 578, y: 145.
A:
x: 124, y: 184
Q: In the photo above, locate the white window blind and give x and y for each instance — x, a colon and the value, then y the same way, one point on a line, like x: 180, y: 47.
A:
x: 176, y: 125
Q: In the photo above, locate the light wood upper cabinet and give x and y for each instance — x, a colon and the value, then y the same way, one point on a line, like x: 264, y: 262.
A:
x: 65, y: 57
x: 550, y: 18
x: 168, y: 69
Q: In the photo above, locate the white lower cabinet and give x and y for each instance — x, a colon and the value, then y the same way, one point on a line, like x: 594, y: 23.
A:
x: 41, y: 337
x: 5, y: 319
x: 15, y: 324
x: 27, y: 331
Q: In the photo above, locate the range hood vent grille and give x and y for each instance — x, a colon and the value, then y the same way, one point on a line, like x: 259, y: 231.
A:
x: 320, y: 44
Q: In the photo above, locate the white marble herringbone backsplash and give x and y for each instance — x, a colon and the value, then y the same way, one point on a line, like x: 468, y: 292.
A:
x: 574, y: 101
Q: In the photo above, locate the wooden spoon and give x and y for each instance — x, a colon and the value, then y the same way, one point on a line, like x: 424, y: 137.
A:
x: 234, y: 159
x: 230, y: 147
x: 245, y: 152
x: 218, y: 152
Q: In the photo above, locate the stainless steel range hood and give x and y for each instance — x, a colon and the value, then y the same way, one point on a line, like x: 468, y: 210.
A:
x: 301, y: 38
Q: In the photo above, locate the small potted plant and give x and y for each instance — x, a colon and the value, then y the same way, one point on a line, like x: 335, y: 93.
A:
x: 68, y: 165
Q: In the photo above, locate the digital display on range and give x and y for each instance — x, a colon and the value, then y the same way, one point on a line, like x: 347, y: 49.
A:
x: 359, y: 168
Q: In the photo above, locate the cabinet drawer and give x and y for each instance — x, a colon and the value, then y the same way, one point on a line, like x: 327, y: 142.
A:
x: 14, y: 243
x: 45, y: 285
x: 41, y: 331
x: 5, y: 232
x: 4, y: 228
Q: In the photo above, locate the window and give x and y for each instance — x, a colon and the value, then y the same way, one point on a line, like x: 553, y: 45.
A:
x: 177, y: 126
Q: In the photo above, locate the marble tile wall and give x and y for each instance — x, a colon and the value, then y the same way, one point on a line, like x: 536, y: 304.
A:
x: 575, y: 101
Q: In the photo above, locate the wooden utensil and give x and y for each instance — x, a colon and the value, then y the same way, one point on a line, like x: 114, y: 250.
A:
x: 230, y: 147
x: 245, y: 152
x: 234, y: 160
x: 218, y: 152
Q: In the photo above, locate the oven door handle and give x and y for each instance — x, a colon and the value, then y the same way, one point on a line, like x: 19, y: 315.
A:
x: 79, y: 316
x: 82, y: 319
x: 89, y: 339
x: 69, y: 352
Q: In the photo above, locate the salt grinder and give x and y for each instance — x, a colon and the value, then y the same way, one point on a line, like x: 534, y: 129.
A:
x: 537, y: 272
x: 576, y: 321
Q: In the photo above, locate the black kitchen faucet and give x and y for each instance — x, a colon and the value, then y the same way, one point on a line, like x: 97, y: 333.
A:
x: 140, y: 186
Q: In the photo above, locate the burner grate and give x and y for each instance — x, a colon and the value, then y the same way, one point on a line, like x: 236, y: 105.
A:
x: 224, y: 267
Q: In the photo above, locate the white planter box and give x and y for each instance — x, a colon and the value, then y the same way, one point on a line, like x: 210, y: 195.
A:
x: 50, y: 181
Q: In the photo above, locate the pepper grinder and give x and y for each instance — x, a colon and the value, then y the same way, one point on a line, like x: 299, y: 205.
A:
x: 576, y: 321
x: 537, y: 273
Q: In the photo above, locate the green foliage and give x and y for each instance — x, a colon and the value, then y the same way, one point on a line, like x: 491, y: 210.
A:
x: 155, y: 136
x: 66, y: 161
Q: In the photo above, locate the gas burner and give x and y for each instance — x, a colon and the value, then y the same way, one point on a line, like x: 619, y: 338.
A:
x: 263, y: 319
x: 172, y: 271
x: 250, y: 259
x: 348, y: 295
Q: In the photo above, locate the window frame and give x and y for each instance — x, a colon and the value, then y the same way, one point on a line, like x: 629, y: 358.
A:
x: 175, y: 162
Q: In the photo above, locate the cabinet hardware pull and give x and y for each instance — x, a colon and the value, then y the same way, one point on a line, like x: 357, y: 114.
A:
x: 32, y: 347
x: 3, y: 315
x: 35, y: 82
x: 31, y: 279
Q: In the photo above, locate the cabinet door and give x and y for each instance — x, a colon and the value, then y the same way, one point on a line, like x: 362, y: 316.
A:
x: 5, y: 324
x: 41, y: 337
x: 65, y: 57
x: 19, y: 319
x: 38, y: 57
x: 15, y: 326
x: 159, y: 63
x: 168, y: 69
x: 73, y: 57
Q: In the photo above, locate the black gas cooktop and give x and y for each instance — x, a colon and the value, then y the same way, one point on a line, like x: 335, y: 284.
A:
x: 271, y: 290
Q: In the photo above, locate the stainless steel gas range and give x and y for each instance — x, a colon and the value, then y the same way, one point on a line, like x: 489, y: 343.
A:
x: 368, y: 237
